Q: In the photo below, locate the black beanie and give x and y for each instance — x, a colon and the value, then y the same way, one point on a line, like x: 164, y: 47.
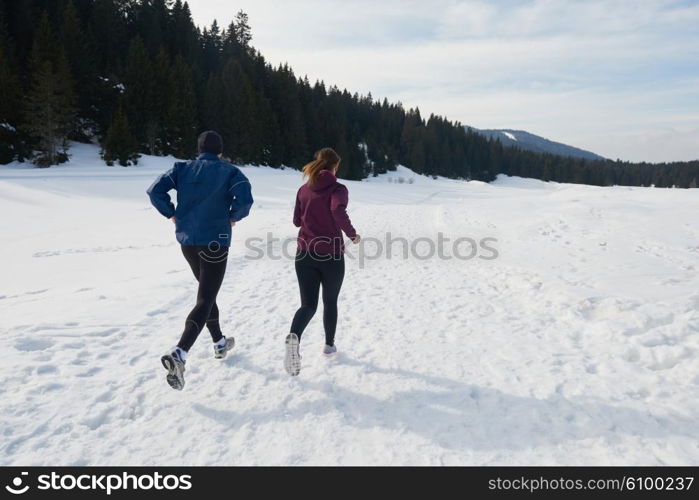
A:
x: 210, y: 142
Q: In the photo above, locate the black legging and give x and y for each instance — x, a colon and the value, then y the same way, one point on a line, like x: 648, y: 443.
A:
x: 209, y: 267
x: 312, y: 271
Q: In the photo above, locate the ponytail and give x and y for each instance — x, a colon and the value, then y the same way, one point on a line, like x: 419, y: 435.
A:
x: 325, y: 159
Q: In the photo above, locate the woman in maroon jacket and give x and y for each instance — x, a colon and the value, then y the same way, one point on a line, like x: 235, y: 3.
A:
x: 321, y: 214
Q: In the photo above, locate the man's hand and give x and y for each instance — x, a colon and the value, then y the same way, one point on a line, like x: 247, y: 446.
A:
x: 173, y: 219
x: 356, y: 239
x: 232, y: 223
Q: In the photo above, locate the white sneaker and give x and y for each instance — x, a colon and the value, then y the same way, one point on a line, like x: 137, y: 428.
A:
x: 174, y: 364
x: 329, y: 350
x: 220, y: 351
x: 292, y: 358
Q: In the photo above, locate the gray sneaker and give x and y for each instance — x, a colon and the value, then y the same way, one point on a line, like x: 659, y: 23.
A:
x: 174, y: 364
x: 292, y: 358
x: 329, y: 350
x: 221, y: 351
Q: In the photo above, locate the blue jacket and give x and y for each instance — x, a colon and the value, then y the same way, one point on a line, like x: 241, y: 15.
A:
x: 210, y: 193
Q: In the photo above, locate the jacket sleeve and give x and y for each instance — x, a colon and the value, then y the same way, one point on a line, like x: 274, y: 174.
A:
x: 297, y: 212
x: 242, y: 197
x: 338, y: 208
x: 158, y: 192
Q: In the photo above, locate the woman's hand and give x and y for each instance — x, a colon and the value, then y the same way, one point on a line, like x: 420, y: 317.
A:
x: 356, y: 239
x: 173, y: 219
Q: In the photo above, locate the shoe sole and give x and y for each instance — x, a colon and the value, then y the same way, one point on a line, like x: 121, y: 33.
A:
x: 222, y: 354
x: 292, y: 360
x: 174, y: 377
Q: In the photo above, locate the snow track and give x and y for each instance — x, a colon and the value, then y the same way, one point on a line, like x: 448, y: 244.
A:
x: 577, y: 345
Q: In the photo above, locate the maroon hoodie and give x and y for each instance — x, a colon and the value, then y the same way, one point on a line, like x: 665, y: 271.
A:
x: 321, y: 214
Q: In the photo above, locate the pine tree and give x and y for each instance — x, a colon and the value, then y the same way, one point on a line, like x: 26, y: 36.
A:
x: 241, y: 126
x: 10, y: 93
x: 212, y: 118
x: 274, y: 149
x: 108, y: 25
x: 243, y: 32
x: 120, y: 145
x: 72, y: 38
x: 181, y: 126
x: 211, y: 48
x: 290, y: 114
x: 185, y: 37
x: 412, y: 152
x: 9, y: 100
x: 161, y: 85
x: 81, y: 59
x: 139, y: 96
x: 49, y: 112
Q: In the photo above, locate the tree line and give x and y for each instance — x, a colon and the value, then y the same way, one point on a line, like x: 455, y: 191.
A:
x: 140, y: 77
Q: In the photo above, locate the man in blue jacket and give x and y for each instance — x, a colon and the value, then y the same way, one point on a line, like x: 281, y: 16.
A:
x: 212, y: 195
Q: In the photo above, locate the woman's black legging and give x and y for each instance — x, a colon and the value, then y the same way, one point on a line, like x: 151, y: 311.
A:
x: 209, y: 268
x: 313, y: 271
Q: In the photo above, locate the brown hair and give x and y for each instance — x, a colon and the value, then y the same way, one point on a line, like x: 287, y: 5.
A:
x: 325, y: 159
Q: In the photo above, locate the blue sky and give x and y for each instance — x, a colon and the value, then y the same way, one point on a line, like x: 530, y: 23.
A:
x: 620, y: 78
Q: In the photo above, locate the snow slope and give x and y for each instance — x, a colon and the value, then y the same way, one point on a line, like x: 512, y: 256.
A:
x: 532, y: 142
x: 577, y: 345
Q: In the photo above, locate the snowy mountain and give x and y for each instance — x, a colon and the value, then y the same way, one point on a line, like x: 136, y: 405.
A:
x: 531, y: 142
x: 576, y: 345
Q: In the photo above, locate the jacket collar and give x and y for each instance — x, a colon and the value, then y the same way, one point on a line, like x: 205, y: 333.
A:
x: 208, y: 156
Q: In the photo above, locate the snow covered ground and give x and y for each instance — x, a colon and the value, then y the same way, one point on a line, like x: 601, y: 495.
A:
x: 577, y: 345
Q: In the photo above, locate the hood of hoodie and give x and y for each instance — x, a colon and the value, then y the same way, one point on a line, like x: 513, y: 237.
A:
x: 325, y: 179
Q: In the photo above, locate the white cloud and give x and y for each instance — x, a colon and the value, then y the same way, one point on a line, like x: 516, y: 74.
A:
x: 609, y: 76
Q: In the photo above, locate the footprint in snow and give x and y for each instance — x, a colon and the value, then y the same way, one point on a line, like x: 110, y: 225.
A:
x: 693, y: 304
x: 103, y: 333
x: 44, y: 369
x: 50, y: 388
x: 135, y: 359
x: 632, y: 355
x: 98, y: 420
x: 672, y: 361
x: 33, y: 345
x: 90, y: 373
x: 104, y: 397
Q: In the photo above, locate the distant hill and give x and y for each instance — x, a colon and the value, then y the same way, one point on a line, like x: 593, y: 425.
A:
x: 531, y: 142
